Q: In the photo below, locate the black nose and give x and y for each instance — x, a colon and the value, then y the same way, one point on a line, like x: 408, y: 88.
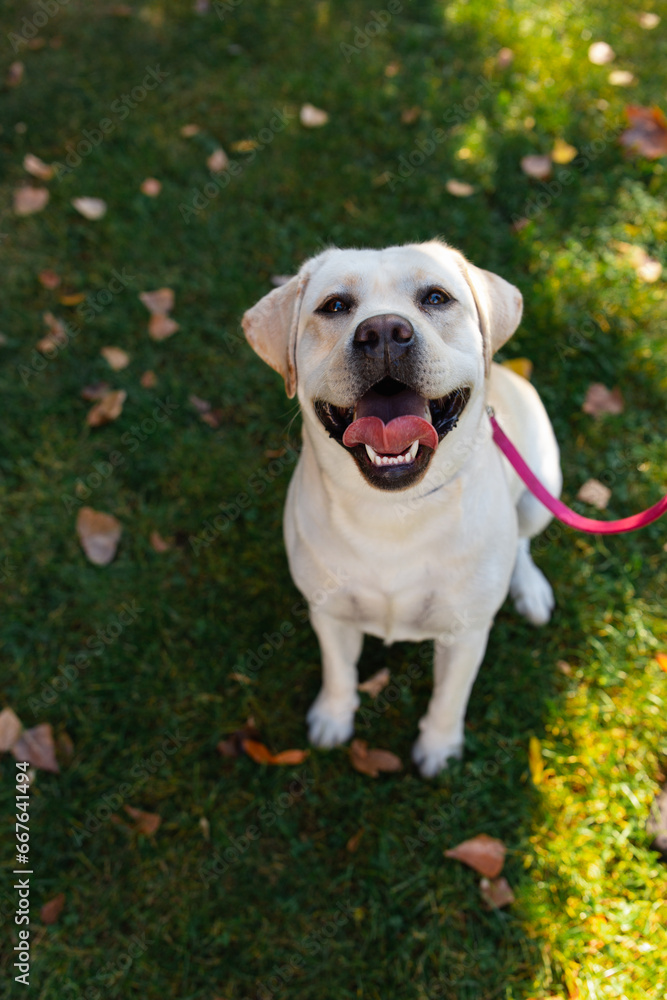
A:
x: 385, y: 336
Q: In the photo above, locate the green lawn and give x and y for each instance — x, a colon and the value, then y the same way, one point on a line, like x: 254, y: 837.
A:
x: 248, y: 889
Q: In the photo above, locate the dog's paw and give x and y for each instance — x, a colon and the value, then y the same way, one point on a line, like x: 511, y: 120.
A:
x: 534, y: 599
x: 432, y: 751
x: 331, y: 720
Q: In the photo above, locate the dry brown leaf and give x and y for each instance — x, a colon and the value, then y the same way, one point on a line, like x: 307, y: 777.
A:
x: 373, y: 761
x: 262, y: 755
x: 37, y: 748
x: 72, y: 298
x: 49, y: 279
x: 115, y: 357
x: 595, y: 493
x: 410, y: 115
x: 98, y: 390
x: 217, y: 161
x: 10, y: 729
x: 647, y: 134
x: 160, y: 326
x: 536, y: 166
x: 56, y: 334
x: 376, y: 683
x: 483, y: 853
x: 600, y: 399
x: 213, y: 419
x: 564, y: 667
x: 600, y: 53
x: 109, y: 408
x: 352, y: 845
x: 200, y: 405
x: 37, y: 167
x: 158, y: 543
x: 621, y: 78
x: 392, y: 69
x: 661, y: 659
x: 28, y: 200
x: 648, y: 20
x: 244, y: 146
x: 158, y: 302
x: 15, y: 73
x: 52, y: 909
x: 144, y: 822
x: 148, y: 379
x: 99, y: 534
x: 522, y: 367
x: 233, y: 745
x: 90, y: 208
x: 496, y: 892
x: 504, y: 58
x: 312, y: 117
x: 187, y: 131
x: 647, y: 268
x: 241, y: 678
x: 459, y: 188
x: 563, y: 152
x: 151, y: 187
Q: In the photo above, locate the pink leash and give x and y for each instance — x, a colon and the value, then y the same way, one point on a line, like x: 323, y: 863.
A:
x: 559, y: 509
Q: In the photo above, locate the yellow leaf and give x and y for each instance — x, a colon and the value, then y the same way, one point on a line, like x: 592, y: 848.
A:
x: 563, y: 152
x: 522, y: 367
x: 535, y: 761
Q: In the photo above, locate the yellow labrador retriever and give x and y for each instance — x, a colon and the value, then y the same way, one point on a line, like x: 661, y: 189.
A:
x: 400, y: 494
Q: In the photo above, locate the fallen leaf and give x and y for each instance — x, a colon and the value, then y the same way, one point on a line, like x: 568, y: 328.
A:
x: 37, y: 167
x: 648, y: 20
x: 233, y: 745
x: 280, y: 279
x: 10, y: 729
x: 522, y: 367
x: 660, y: 657
x: 28, y: 200
x: 148, y: 379
x: 90, y: 208
x: 151, y: 187
x: 410, y: 115
x: 262, y: 755
x: 205, y: 827
x: 536, y: 166
x: 160, y: 326
x: 600, y: 399
x: 36, y: 43
x: 275, y: 452
x: 647, y: 134
x: 563, y: 152
x: 241, y: 678
x: 504, y: 58
x: 353, y: 843
x: 373, y: 761
x: 647, y: 268
x: 36, y: 747
x: 213, y: 419
x: 200, y: 405
x: 56, y: 334
x: 459, y: 188
x: 98, y: 390
x: 217, y: 161
x: 72, y: 299
x: 392, y: 69
x: 15, y: 74
x: 145, y: 822
x: 245, y: 146
x: 376, y: 683
x: 49, y: 279
x: 109, y: 408
x: 520, y: 224
x: 99, y: 535
x: 600, y: 53
x: 564, y: 667
x: 115, y: 357
x: 51, y: 910
x: 158, y: 543
x: 535, y: 762
x: 483, y: 853
x: 595, y: 493
x: 312, y: 117
x: 187, y: 131
x: 621, y: 78
x: 159, y: 302
x: 496, y: 892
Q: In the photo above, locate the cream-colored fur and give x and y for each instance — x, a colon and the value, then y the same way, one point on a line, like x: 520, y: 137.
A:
x: 437, y: 559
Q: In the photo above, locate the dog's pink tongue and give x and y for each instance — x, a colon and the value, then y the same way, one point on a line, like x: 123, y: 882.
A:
x: 393, y: 438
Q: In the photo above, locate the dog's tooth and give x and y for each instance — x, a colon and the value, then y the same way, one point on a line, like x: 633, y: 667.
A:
x: 412, y: 452
x: 371, y: 452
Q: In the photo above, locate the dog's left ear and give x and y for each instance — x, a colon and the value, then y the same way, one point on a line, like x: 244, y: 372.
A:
x: 271, y: 326
x: 499, y: 306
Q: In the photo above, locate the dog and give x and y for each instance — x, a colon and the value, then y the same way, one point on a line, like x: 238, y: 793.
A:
x: 399, y: 496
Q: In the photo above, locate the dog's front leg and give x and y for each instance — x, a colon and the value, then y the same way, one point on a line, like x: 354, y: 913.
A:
x: 331, y: 716
x: 455, y: 667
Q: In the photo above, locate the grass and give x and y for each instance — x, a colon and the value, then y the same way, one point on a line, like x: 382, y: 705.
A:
x: 393, y: 919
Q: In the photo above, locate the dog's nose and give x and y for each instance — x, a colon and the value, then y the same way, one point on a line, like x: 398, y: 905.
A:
x: 385, y: 336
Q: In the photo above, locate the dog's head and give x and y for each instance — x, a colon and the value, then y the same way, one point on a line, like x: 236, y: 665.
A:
x: 385, y: 348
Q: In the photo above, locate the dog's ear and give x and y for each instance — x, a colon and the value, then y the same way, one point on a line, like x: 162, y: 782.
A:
x: 271, y: 325
x: 499, y: 306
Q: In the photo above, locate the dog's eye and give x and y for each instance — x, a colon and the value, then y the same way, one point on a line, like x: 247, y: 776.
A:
x: 435, y: 297
x: 335, y: 305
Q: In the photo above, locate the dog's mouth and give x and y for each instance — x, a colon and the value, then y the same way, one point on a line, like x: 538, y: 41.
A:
x: 392, y: 431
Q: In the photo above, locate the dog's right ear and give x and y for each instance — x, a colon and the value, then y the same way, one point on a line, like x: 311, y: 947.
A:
x: 271, y: 326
